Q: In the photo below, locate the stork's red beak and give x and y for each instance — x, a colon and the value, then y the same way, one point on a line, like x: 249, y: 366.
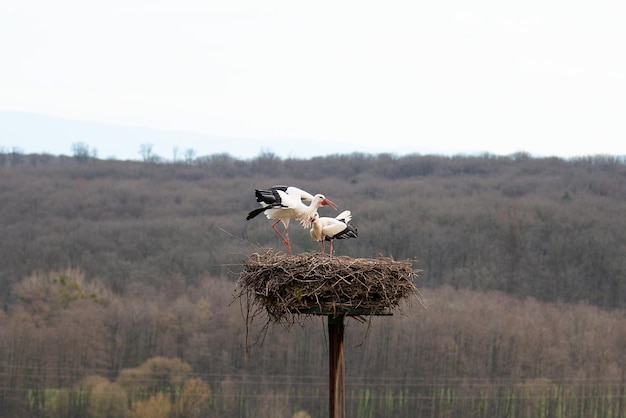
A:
x: 329, y: 203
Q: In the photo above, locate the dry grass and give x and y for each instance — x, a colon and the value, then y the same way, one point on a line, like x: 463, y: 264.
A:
x: 286, y: 286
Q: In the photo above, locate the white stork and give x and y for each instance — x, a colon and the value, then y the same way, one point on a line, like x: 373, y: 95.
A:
x: 328, y: 229
x: 284, y: 203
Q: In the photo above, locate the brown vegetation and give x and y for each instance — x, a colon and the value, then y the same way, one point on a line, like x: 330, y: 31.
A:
x: 468, y: 348
x: 523, y: 277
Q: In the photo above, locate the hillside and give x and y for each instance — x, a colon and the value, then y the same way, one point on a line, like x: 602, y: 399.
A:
x: 117, y: 287
x: 547, y: 228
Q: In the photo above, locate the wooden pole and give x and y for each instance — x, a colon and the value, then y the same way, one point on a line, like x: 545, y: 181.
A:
x: 337, y: 391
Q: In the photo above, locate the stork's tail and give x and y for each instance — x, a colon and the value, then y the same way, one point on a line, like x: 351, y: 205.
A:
x: 345, y: 216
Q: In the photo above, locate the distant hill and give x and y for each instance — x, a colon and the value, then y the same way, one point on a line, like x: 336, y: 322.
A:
x: 35, y: 133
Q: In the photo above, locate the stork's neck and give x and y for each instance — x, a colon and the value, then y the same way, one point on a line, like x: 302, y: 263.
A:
x: 317, y: 231
x: 309, y: 213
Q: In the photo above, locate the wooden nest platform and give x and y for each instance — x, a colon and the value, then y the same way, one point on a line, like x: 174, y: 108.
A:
x: 311, y: 283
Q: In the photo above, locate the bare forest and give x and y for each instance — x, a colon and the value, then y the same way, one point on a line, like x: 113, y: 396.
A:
x: 117, y: 284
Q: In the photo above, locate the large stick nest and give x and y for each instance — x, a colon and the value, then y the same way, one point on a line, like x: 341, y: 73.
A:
x: 311, y: 283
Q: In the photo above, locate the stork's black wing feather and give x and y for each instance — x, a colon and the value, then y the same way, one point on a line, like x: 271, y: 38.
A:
x: 349, y: 232
x: 280, y: 187
x: 271, y: 196
x: 254, y: 213
x: 267, y: 197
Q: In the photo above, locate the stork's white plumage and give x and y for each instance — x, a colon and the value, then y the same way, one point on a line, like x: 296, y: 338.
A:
x: 284, y: 203
x: 328, y: 229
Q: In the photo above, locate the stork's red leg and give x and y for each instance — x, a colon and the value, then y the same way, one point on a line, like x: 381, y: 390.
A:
x: 287, y: 242
x: 331, y: 248
x: 285, y: 237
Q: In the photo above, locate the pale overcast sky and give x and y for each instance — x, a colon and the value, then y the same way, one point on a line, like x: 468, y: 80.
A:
x: 453, y: 76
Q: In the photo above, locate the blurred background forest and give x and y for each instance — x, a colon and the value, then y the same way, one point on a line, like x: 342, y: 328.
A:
x: 117, y: 283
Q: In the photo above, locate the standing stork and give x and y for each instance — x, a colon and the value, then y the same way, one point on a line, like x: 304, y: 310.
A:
x: 284, y: 203
x: 328, y: 229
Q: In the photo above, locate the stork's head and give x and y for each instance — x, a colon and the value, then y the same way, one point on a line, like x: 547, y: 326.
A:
x: 323, y: 201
